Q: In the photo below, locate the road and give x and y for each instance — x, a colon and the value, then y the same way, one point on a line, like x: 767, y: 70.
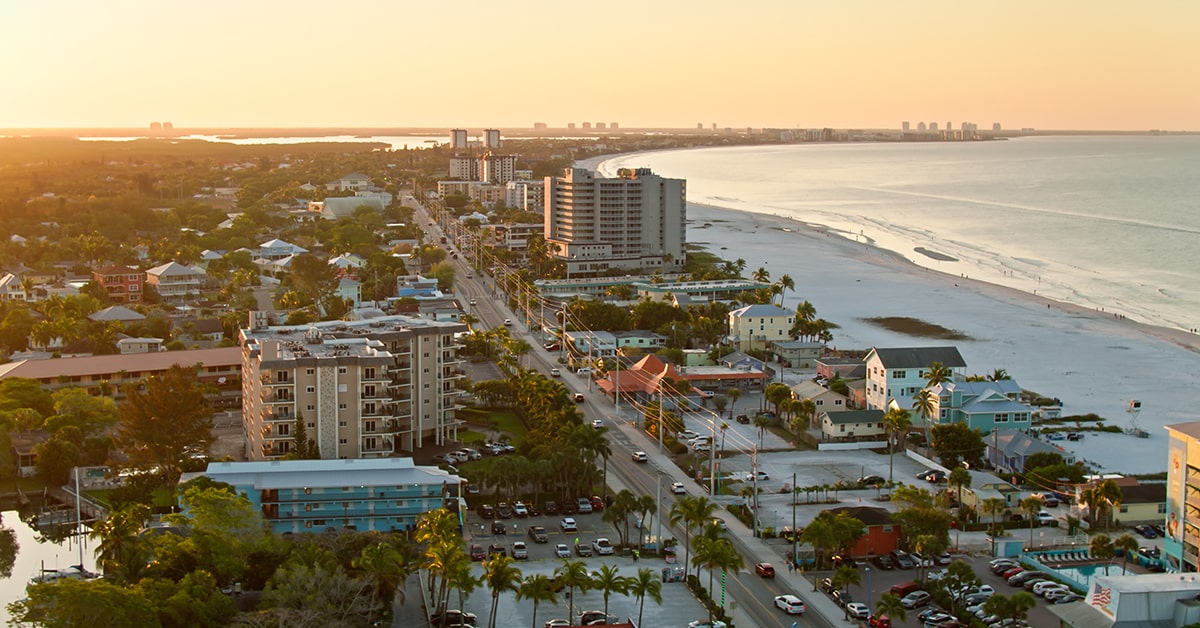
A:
x: 752, y: 595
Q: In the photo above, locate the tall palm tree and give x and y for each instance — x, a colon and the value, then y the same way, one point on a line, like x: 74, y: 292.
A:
x: 646, y: 504
x: 385, y: 566
x: 925, y: 404
x: 608, y: 580
x: 762, y: 423
x: 121, y: 554
x: 734, y: 394
x: 959, y: 478
x: 1019, y: 605
x: 890, y: 605
x: 573, y: 574
x: 1101, y: 548
x: 896, y: 421
x: 645, y: 583
x: 938, y: 373
x: 713, y: 554
x: 1031, y: 506
x: 537, y: 588
x: 761, y: 275
x: 690, y: 510
x: 845, y: 576
x: 785, y: 283
x: 1128, y: 545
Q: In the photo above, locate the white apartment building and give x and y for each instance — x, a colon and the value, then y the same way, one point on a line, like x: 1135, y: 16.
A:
x: 365, y: 389
x: 458, y: 138
x: 497, y: 169
x: 525, y: 195
x: 635, y: 221
x: 756, y: 326
x: 464, y: 168
x: 491, y: 138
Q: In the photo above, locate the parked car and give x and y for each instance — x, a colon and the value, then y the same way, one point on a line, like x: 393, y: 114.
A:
x: 520, y: 510
x: 453, y: 617
x: 597, y: 503
x: 520, y: 551
x: 915, y: 599
x: 583, y: 505
x: 743, y: 419
x: 496, y: 549
x: 944, y: 558
x: 562, y: 551
x: 1146, y: 531
x: 790, y: 604
x: 1042, y: 588
x: 1046, y: 519
x: 582, y: 550
x: 551, y: 508
x: 498, y: 527
x: 885, y: 562
x: 872, y: 480
x: 595, y: 618
x: 477, y: 552
x: 903, y: 560
x: 504, y: 510
x: 538, y: 534
x: 766, y: 570
x: 487, y: 512
x: 858, y: 610
x: 841, y: 598
x: 1025, y: 576
x: 568, y: 525
x: 879, y: 621
x: 704, y: 623
x: 937, y: 618
x: 760, y: 476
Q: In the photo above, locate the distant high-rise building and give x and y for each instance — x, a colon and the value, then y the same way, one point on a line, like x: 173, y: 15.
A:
x: 613, y: 125
x: 699, y: 126
x: 155, y: 126
x: 458, y: 138
x: 464, y: 168
x: 933, y: 126
x: 714, y: 126
x: 601, y: 125
x: 904, y: 126
x: 491, y: 138
x: 587, y: 125
x: 539, y: 125
x: 570, y: 125
x: 995, y: 126
x: 167, y: 126
x: 949, y: 126
x: 635, y: 221
x: 498, y: 169
x: 921, y: 126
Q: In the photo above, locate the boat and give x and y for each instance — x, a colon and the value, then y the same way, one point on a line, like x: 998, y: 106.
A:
x: 74, y: 572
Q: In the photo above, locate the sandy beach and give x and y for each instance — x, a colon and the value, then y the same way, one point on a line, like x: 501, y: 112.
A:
x: 1092, y: 361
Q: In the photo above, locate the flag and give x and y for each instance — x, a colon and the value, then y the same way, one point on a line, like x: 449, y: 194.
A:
x: 1103, y: 597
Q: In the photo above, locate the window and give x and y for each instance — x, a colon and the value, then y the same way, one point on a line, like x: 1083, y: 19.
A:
x: 341, y: 441
x: 342, y: 387
x: 898, y: 375
x: 1001, y: 417
x: 341, y: 370
x: 310, y: 389
x: 820, y: 402
x: 312, y: 425
x: 310, y: 407
x: 281, y: 376
x: 841, y: 428
x: 1162, y: 509
x: 341, y: 406
x: 369, y: 373
x: 368, y: 391
x: 1124, y: 509
x: 310, y: 372
x: 341, y: 424
x: 284, y: 429
x: 307, y: 491
x: 370, y: 444
x: 369, y: 426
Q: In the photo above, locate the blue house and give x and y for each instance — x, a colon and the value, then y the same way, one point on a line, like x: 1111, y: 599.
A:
x: 384, y: 494
x: 983, y: 406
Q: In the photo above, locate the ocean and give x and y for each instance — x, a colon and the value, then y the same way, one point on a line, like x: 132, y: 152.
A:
x: 1106, y: 222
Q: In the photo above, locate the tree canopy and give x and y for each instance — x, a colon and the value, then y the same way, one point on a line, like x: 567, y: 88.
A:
x: 164, y: 422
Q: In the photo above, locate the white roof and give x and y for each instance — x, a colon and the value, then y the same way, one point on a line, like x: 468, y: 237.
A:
x: 277, y: 474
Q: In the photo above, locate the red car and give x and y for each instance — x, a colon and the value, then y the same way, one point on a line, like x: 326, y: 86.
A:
x: 597, y: 503
x: 477, y: 552
x: 765, y: 570
x: 1011, y: 572
x: 880, y: 621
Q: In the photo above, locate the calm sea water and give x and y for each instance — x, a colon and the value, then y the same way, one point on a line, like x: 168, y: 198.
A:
x: 37, y: 552
x: 1108, y: 222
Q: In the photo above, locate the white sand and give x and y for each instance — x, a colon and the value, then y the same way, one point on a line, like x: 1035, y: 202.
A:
x: 1089, y: 360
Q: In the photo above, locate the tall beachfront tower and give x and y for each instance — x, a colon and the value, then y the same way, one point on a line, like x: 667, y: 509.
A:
x: 636, y: 221
x: 1181, y: 545
x: 491, y: 138
x: 365, y: 389
x: 458, y: 138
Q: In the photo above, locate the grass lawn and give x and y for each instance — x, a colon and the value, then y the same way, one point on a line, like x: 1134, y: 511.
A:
x: 509, y: 423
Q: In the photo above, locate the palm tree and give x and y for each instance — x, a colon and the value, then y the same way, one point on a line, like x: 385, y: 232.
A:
x: 691, y: 511
x: 785, y: 283
x: 713, y: 554
x: 998, y: 375
x: 573, y: 574
x: 1128, y: 545
x: 120, y: 554
x: 734, y: 394
x: 959, y: 478
x: 1031, y: 506
x: 609, y: 580
x: 896, y: 421
x: 925, y: 404
x: 938, y: 373
x: 537, y: 588
x: 385, y: 566
x: 820, y: 535
x: 1101, y: 548
x: 761, y: 275
x: 845, y: 576
x: 646, y: 583
x: 890, y: 605
x: 762, y: 423
x: 1019, y: 605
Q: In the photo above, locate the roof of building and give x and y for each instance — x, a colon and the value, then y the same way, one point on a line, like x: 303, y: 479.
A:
x: 1144, y: 494
x: 847, y: 417
x: 869, y: 515
x: 809, y: 389
x: 1191, y: 429
x: 116, y: 313
x: 919, y: 357
x: 173, y: 268
x: 761, y: 309
x: 276, y: 474
x: 114, y: 364
x: 117, y: 269
x: 1018, y: 443
x: 344, y: 206
x: 797, y: 344
x: 644, y: 376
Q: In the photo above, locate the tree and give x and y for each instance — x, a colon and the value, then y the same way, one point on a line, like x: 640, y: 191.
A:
x: 195, y: 600
x: 890, y: 605
x: 1128, y: 546
x: 691, y: 511
x: 317, y: 595
x: 959, y: 479
x: 537, y: 588
x: 646, y: 583
x: 572, y: 574
x: 993, y: 506
x: 896, y: 421
x: 734, y: 394
x: 955, y: 443
x: 925, y: 405
x: 845, y: 576
x: 121, y: 555
x: 608, y: 580
x: 68, y: 602
x: 777, y: 393
x: 1042, y: 459
x: 762, y: 422
x: 500, y: 575
x: 164, y: 422
x: 938, y: 373
x: 1101, y: 548
x: 1031, y: 506
x: 385, y: 566
x: 1102, y: 499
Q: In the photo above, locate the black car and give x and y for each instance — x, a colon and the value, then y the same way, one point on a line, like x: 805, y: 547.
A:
x: 841, y: 597
x: 551, y: 508
x: 495, y: 549
x: 741, y: 418
x: 1146, y: 531
x: 883, y: 561
x: 452, y: 617
x: 487, y: 512
x: 498, y: 527
x: 872, y: 480
x: 903, y: 560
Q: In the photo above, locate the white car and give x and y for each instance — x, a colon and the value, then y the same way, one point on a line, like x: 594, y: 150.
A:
x: 472, y: 301
x: 707, y: 394
x: 508, y: 322
x: 520, y: 510
x: 597, y: 423
x: 562, y: 551
x: 1040, y: 589
x: 678, y: 488
x: 602, y: 547
x: 761, y: 475
x: 790, y: 604
x: 568, y: 524
x: 688, y: 435
x: 701, y: 448
x: 640, y: 456
x: 704, y: 623
x: 858, y: 610
x: 555, y: 373
x: 1045, y: 518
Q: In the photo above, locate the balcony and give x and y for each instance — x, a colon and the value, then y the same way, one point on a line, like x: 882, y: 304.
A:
x: 1193, y: 498
x: 269, y: 414
x: 368, y: 411
x: 268, y: 449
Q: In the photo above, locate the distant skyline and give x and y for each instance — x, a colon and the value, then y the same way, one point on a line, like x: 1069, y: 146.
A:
x: 1069, y: 64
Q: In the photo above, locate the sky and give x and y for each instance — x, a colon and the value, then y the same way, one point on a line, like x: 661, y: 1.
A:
x: 1064, y: 64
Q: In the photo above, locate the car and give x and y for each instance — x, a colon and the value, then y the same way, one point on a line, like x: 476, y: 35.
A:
x: 1051, y: 593
x: 704, y: 623
x: 579, y: 398
x: 688, y: 435
x: 1050, y: 502
x: 583, y: 505
x: 520, y: 551
x: 551, y: 346
x: 1025, y: 576
x: 927, y: 613
x: 879, y: 621
x: 595, y: 618
x: 557, y: 623
x: 766, y: 570
x: 602, y: 547
x: 487, y: 512
x: 935, y: 477
x: 858, y: 610
x: 974, y: 599
x: 1011, y: 573
x: 915, y: 599
x: 701, y: 448
x: 584, y: 370
x: 1033, y: 582
x: 935, y: 576
x: 538, y: 534
x: 568, y: 524
x: 872, y: 480
x: 508, y: 322
x: 1146, y: 531
x: 743, y: 419
x: 1000, y: 568
x: 760, y: 476
x: 597, y: 423
x: 707, y: 394
x: 903, y: 560
x: 472, y: 302
x: 472, y: 489
x: 1042, y: 588
x: 597, y: 503
x: 1046, y: 519
x: 582, y: 550
x: 719, y: 522
x: 561, y: 550
x: 555, y: 373
x: 937, y: 618
x: 477, y: 552
x: 827, y: 585
x: 498, y: 527
x: 453, y: 617
x: 504, y: 510
x: 1068, y: 598
x: 920, y: 560
x: 944, y: 558
x: 640, y: 456
x: 520, y: 510
x: 551, y: 508
x: 496, y: 549
x: 789, y: 604
x: 841, y: 598
x: 884, y: 562
x: 678, y: 488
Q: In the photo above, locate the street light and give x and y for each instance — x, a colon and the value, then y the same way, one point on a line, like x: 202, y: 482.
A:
x: 868, y: 570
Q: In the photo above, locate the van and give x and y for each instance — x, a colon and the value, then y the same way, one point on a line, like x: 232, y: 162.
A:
x: 903, y: 589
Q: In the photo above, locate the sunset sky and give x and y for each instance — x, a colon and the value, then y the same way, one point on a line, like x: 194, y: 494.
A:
x: 1063, y: 64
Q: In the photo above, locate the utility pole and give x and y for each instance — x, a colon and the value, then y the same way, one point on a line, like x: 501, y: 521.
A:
x: 795, y: 534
